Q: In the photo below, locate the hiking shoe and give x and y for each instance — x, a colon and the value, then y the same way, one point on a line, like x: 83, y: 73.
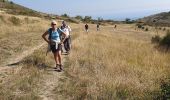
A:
x: 68, y: 52
x: 61, y: 67
x: 57, y: 66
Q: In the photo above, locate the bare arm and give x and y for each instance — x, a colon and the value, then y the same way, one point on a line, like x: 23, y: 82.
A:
x: 44, y: 37
x: 64, y: 36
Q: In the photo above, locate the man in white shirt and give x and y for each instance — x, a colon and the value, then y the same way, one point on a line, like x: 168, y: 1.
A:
x: 67, y: 42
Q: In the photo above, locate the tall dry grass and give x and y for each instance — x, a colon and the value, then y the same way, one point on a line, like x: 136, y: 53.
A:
x: 111, y: 65
x: 24, y: 82
x: 19, y: 33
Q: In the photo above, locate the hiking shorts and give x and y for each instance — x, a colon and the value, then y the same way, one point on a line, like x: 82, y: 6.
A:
x: 53, y: 48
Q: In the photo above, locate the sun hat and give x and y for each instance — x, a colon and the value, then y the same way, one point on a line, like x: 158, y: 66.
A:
x: 53, y: 22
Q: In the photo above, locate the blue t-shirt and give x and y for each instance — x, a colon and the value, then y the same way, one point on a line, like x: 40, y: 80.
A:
x: 55, y: 35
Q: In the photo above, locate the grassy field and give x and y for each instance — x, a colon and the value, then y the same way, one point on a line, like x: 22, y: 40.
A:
x: 19, y: 33
x: 110, y: 64
x: 116, y: 64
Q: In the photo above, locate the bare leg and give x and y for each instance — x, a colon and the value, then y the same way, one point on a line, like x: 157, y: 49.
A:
x: 59, y: 57
x: 56, y: 58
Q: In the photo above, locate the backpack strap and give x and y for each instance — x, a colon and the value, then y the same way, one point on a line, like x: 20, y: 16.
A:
x: 60, y: 34
x: 50, y: 32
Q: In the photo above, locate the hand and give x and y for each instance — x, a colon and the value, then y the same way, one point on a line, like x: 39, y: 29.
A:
x: 61, y: 43
x: 48, y: 42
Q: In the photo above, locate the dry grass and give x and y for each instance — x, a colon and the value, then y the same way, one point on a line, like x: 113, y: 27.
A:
x: 25, y: 81
x: 17, y: 38
x: 121, y: 64
x: 106, y: 65
x: 22, y: 84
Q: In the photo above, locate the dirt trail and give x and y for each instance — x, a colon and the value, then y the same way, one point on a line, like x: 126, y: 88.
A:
x: 16, y: 59
x: 11, y: 67
x: 49, y: 83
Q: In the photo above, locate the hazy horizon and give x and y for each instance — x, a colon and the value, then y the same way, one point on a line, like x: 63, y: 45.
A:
x: 108, y: 9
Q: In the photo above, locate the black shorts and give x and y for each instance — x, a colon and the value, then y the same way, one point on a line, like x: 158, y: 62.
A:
x: 53, y: 48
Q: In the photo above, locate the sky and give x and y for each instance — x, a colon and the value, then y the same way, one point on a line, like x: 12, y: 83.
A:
x: 107, y: 9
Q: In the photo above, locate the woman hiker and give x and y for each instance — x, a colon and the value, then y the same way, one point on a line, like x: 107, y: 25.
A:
x: 55, y: 43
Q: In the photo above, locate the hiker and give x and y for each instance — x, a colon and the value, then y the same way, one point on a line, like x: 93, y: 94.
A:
x: 98, y: 27
x: 115, y: 26
x: 87, y: 28
x: 67, y: 42
x: 55, y: 43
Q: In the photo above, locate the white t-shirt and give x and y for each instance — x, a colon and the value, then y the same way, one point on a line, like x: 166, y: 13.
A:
x: 67, y: 30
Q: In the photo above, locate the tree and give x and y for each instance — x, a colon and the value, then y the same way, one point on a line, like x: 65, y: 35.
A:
x: 11, y: 2
x: 65, y: 15
x: 127, y: 20
x: 79, y: 17
x: 100, y: 19
x: 87, y: 18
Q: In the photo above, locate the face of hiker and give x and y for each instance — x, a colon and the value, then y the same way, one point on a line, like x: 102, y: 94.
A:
x: 53, y: 25
x: 64, y: 25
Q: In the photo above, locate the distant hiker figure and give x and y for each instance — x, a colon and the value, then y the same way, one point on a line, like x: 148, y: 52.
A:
x: 67, y: 42
x: 55, y: 43
x: 98, y: 27
x: 87, y: 28
x: 115, y: 26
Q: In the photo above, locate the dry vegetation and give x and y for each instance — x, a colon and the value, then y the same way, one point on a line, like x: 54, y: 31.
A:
x: 23, y: 82
x: 121, y: 64
x: 106, y: 65
x: 19, y: 33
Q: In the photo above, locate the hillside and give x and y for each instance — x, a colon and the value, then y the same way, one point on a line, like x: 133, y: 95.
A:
x: 12, y: 8
x: 161, y: 19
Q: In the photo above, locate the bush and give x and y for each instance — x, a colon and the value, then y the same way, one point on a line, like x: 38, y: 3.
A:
x: 3, y: 0
x: 87, y: 19
x: 79, y: 17
x: 165, y: 41
x: 143, y: 27
x: 156, y: 39
x: 72, y: 20
x: 164, y: 29
x: 146, y: 29
x: 65, y: 15
x: 139, y: 25
x: 15, y: 20
x: 11, y: 2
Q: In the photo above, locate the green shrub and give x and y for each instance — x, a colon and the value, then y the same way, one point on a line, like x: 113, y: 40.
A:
x: 146, y: 29
x: 165, y: 90
x: 11, y: 2
x: 15, y: 20
x: 139, y: 26
x: 65, y: 16
x: 72, y: 20
x: 164, y: 29
x: 79, y: 17
x: 87, y: 19
x: 165, y: 41
x: 156, y: 39
x: 143, y: 27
